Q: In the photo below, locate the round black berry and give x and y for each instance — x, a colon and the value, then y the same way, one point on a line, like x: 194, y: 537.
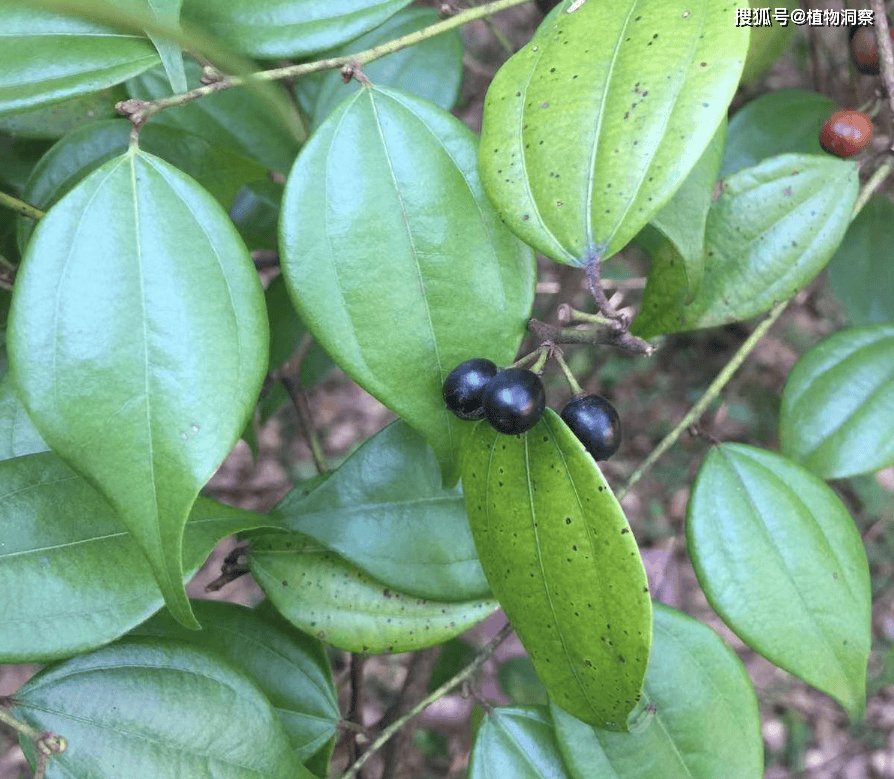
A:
x: 513, y: 401
x: 464, y: 386
x: 595, y: 423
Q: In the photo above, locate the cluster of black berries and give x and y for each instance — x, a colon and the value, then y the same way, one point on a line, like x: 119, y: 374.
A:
x: 512, y: 401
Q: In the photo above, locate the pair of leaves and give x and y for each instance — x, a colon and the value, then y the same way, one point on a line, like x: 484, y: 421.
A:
x: 711, y: 732
x: 559, y: 555
x: 246, y: 697
x: 140, y: 370
x: 395, y: 259
x: 838, y: 406
x: 781, y: 561
x: 585, y: 138
x: 73, y: 578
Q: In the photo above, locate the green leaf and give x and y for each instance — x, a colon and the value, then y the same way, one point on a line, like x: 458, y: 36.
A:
x: 255, y: 212
x: 46, y: 57
x: 52, y: 521
x: 585, y: 137
x: 705, y: 723
x: 774, y: 227
x: 18, y: 436
x: 220, y: 170
x: 431, y: 69
x: 838, y: 406
x: 861, y: 272
x: 233, y: 118
x: 516, y: 741
x: 168, y: 11
x: 384, y: 511
x: 395, y: 259
x: 780, y: 560
x: 58, y: 119
x: 140, y: 369
x: 289, y: 666
x: 287, y: 28
x: 518, y: 679
x: 329, y: 598
x: 19, y: 156
x: 787, y: 121
x: 560, y: 557
x: 146, y: 708
x: 768, y: 42
x: 683, y: 219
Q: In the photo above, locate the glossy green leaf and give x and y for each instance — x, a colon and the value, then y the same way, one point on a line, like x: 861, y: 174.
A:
x: 46, y: 57
x: 781, y: 561
x: 395, y: 259
x: 139, y: 368
x: 705, y: 724
x: 861, y: 272
x: 516, y: 741
x: 585, y: 137
x: 431, y: 69
x: 837, y: 414
x: 768, y: 42
x: 233, y: 118
x: 773, y: 228
x: 73, y: 578
x: 289, y: 666
x: 288, y: 28
x: 329, y: 598
x: 384, y: 510
x: 18, y: 436
x: 168, y: 12
x: 787, y: 121
x: 146, y: 708
x: 220, y: 170
x: 683, y: 219
x: 560, y: 557
x: 58, y: 119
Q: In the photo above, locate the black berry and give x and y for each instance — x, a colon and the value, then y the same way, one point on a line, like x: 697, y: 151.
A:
x: 513, y: 401
x: 464, y: 386
x: 595, y: 423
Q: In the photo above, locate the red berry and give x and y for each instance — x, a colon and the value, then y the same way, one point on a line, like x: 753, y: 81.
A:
x: 846, y: 133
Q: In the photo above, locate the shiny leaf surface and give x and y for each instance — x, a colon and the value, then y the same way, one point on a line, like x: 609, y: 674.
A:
x: 287, y: 28
x: 585, y: 137
x: 781, y: 561
x: 290, y: 667
x: 773, y: 228
x: 395, y: 259
x: 73, y: 578
x: 519, y: 742
x: 121, y: 351
x: 46, y: 57
x: 710, y: 732
x: 838, y: 405
x: 559, y: 556
x: 147, y: 708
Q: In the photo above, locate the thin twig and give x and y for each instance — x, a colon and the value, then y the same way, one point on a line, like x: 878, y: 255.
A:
x: 20, y: 206
x: 885, y: 49
x: 299, y: 400
x: 705, y: 400
x: 458, y: 679
x: 139, y: 111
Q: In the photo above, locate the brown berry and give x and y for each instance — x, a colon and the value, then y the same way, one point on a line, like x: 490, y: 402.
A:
x: 864, y: 51
x: 846, y: 133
